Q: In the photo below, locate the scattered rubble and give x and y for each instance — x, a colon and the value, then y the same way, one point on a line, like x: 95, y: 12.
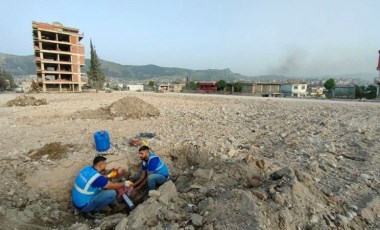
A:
x: 26, y: 101
x: 235, y: 163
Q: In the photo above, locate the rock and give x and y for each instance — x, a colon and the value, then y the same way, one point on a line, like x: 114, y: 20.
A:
x: 344, y: 220
x: 154, y: 193
x: 79, y: 226
x: 196, y: 219
x: 189, y: 227
x: 2, y: 211
x: 232, y: 152
x: 279, y: 199
x: 204, y: 174
x: 28, y: 213
x: 371, y: 212
x: 254, y: 183
x: 144, y: 214
x: 172, y: 216
x: 286, y: 171
x: 261, y: 195
x: 248, y: 158
x: 122, y: 225
x: 118, y: 118
x: 283, y: 134
x: 260, y: 164
x: 314, y: 219
x: 168, y: 193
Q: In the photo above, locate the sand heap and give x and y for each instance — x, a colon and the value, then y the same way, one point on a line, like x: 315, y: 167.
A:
x: 125, y: 108
x: 26, y: 101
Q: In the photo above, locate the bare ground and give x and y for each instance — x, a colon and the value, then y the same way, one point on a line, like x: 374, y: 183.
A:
x: 328, y: 152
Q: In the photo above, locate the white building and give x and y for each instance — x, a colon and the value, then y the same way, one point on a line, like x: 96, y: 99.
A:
x: 294, y: 90
x: 135, y: 87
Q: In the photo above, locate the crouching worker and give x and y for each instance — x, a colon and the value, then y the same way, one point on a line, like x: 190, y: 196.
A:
x: 92, y: 191
x: 154, y: 171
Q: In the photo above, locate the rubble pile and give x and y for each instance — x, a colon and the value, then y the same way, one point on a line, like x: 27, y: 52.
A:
x: 125, y: 108
x: 26, y: 101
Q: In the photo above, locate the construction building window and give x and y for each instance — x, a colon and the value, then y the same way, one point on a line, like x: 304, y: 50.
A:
x: 50, y: 57
x: 49, y: 46
x: 65, y: 48
x: 48, y: 36
x: 51, y: 67
x: 63, y: 38
x: 66, y: 77
x: 295, y: 87
x: 65, y: 68
x: 65, y: 58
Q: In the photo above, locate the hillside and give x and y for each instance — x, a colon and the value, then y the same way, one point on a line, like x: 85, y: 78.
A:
x: 24, y: 65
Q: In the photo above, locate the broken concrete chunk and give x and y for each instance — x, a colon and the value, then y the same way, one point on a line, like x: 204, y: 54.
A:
x: 286, y: 171
x: 204, y: 174
x: 196, y: 219
x: 168, y: 192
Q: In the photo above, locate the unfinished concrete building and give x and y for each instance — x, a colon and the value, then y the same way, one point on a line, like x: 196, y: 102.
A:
x: 59, y: 57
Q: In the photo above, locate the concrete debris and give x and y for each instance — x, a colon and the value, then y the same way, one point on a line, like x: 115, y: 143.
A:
x: 26, y: 101
x: 196, y: 219
x: 204, y: 174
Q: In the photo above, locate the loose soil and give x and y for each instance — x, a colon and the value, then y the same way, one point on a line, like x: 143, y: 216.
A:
x: 235, y: 162
x: 125, y: 108
x: 26, y: 101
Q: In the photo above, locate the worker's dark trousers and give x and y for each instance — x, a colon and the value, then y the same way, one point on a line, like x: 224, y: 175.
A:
x: 100, y: 201
x: 155, y: 180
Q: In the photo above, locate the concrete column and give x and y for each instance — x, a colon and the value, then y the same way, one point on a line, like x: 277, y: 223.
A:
x: 43, y: 87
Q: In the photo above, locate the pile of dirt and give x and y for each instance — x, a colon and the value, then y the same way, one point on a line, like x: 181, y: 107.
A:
x: 125, y: 108
x: 26, y: 101
x: 52, y: 151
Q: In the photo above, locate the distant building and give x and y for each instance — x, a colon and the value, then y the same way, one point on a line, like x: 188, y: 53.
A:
x: 261, y: 89
x: 207, y: 87
x: 58, y: 57
x: 294, y: 90
x: 135, y: 88
x: 316, y: 91
x: 345, y: 92
x: 172, y: 87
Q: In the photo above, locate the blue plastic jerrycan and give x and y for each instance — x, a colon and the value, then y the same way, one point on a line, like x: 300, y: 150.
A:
x: 102, y: 141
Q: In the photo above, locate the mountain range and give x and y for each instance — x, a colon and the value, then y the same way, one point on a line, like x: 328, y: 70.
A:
x: 20, y: 66
x: 24, y: 65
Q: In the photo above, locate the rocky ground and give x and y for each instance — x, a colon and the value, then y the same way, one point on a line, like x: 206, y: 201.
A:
x: 236, y: 162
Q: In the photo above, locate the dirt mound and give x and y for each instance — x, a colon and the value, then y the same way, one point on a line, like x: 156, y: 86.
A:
x: 53, y: 151
x: 26, y: 101
x: 125, y: 108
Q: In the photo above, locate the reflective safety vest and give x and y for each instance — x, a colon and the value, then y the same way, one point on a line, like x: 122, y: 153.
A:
x: 161, y: 167
x: 83, y: 191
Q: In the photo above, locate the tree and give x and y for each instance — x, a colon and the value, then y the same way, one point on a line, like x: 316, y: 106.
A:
x: 237, y: 87
x: 95, y: 73
x: 151, y: 85
x: 329, y: 84
x: 368, y: 92
x: 192, y: 85
x: 221, y: 85
x: 6, y: 79
x: 359, y: 91
x: 371, y: 92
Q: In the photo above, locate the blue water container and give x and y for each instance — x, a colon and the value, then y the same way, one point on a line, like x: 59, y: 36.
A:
x: 102, y: 141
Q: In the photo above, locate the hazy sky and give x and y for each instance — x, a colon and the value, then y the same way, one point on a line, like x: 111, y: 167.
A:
x: 252, y: 37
